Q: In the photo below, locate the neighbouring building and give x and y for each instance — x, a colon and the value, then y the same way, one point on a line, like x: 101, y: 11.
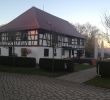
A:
x: 36, y: 33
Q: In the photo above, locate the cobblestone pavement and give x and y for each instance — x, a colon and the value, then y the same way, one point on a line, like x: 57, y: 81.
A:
x: 80, y: 76
x: 31, y: 87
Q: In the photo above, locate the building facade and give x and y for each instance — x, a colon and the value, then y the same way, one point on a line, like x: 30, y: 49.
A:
x: 38, y: 34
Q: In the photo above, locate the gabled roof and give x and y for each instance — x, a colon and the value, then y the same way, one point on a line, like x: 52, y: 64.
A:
x: 35, y: 18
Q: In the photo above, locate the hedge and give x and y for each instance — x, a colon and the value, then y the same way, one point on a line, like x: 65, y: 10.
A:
x: 103, y: 68
x: 56, y: 64
x: 90, y: 61
x: 17, y: 61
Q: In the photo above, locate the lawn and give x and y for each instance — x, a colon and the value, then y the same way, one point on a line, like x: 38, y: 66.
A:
x: 37, y: 71
x: 79, y: 67
x: 31, y: 71
x: 99, y: 82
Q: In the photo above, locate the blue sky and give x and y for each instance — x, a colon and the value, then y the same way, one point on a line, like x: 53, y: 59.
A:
x: 75, y: 11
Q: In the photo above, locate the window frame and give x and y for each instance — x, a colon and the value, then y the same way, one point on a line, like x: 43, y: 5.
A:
x: 46, y: 52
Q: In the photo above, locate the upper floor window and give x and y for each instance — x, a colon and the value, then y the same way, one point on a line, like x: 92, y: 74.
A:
x: 54, y: 39
x: 24, y: 35
x: 11, y: 36
x: 18, y: 36
x: 78, y: 41
x: 82, y: 42
x: 69, y: 41
x: 75, y: 41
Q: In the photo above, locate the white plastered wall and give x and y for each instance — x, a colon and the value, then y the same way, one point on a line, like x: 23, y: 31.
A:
x: 4, y: 51
x: 38, y: 52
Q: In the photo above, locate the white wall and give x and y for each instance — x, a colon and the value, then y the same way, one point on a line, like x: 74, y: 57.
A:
x: 38, y: 52
x: 4, y: 51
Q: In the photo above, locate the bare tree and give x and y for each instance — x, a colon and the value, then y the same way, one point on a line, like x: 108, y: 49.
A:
x: 89, y: 32
x: 87, y: 29
x: 106, y: 21
x: 106, y: 24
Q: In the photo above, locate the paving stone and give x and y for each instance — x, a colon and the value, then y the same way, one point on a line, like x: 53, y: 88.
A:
x: 33, y: 87
x: 80, y: 76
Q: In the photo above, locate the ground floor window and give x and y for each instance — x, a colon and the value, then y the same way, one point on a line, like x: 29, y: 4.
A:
x: 46, y: 52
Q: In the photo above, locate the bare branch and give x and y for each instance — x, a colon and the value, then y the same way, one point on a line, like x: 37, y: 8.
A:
x: 107, y: 20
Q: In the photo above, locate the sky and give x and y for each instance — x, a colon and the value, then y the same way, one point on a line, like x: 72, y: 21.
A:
x: 74, y: 11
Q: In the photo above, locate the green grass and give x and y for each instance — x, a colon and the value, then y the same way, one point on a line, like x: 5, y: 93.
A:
x: 99, y: 82
x: 36, y: 71
x: 79, y: 67
x: 31, y: 71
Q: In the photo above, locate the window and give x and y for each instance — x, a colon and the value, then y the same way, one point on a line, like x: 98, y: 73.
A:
x: 5, y: 36
x: 54, y: 39
x: 18, y: 36
x: 24, y: 36
x: 78, y: 41
x: 11, y: 36
x: 69, y: 41
x: 82, y: 42
x: 46, y: 52
x: 75, y: 41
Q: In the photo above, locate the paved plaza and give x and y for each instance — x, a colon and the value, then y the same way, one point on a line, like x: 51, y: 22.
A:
x: 80, y: 76
x: 33, y: 87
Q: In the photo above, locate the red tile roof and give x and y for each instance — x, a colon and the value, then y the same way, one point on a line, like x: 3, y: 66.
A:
x: 35, y: 18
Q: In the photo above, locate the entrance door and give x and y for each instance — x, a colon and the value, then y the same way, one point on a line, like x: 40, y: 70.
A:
x: 73, y: 52
x: 10, y: 52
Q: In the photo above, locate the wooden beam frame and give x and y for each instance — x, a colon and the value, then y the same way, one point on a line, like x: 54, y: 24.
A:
x: 39, y: 38
x: 22, y: 38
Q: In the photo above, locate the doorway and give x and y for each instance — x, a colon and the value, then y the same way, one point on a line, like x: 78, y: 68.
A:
x: 10, y: 52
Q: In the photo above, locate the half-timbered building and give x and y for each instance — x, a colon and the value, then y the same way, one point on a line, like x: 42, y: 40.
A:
x: 39, y: 34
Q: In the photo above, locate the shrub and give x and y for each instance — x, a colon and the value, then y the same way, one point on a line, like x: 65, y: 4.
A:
x: 25, y: 51
x: 90, y: 61
x: 17, y: 61
x: 56, y: 64
x: 103, y: 68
